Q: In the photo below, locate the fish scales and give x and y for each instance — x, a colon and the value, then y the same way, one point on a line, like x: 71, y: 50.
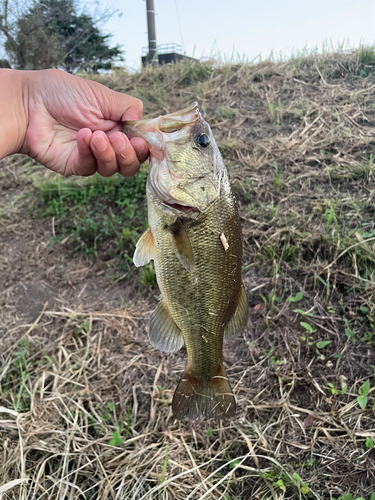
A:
x: 205, y: 299
x: 197, y: 250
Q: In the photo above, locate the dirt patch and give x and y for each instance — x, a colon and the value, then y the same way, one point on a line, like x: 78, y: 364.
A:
x: 31, y: 301
x: 32, y: 272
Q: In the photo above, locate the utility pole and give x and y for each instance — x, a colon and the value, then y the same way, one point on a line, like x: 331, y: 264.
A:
x: 152, y: 56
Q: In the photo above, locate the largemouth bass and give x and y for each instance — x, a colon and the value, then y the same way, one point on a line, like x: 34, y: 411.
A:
x: 194, y: 238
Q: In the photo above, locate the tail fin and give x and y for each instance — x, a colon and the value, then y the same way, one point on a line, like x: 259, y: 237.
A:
x: 196, y: 397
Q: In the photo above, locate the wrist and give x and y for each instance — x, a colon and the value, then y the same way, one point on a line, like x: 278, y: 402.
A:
x: 14, y: 111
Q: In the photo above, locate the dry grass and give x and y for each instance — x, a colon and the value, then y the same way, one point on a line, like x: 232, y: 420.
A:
x: 85, y: 400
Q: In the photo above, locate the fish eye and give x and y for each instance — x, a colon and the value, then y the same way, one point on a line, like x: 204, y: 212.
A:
x: 203, y: 140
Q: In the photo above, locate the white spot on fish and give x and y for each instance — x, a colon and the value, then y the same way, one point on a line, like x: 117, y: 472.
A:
x: 224, y: 241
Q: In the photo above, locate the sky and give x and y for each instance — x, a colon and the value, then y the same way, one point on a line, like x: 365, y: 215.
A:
x: 236, y: 28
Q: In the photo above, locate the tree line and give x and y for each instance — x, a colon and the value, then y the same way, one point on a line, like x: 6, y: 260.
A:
x: 41, y: 34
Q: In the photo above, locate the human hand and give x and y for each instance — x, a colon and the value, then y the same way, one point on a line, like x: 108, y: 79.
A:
x: 74, y: 126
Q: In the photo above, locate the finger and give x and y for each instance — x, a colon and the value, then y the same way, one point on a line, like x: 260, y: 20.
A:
x: 116, y: 106
x: 126, y: 156
x: 140, y: 148
x: 134, y: 111
x: 86, y: 162
x: 104, y: 154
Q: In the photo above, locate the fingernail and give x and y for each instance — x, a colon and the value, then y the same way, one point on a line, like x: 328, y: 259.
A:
x: 119, y: 143
x: 100, y: 143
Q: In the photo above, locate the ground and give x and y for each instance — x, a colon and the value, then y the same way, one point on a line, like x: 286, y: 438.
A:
x: 85, y: 401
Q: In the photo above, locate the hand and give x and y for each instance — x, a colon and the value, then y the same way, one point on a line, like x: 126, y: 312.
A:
x: 74, y: 126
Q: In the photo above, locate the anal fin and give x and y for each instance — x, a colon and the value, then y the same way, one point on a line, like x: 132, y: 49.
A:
x: 163, y: 333
x: 181, y: 245
x: 197, y: 397
x: 145, y: 249
x: 238, y: 321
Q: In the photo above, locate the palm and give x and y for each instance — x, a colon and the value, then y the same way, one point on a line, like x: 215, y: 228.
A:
x: 63, y: 106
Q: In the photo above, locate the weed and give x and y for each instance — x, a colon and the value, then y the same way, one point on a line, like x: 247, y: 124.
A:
x: 304, y: 313
x: 277, y: 362
x: 162, y: 396
x: 330, y: 216
x: 165, y: 465
x: 367, y: 61
x: 21, y: 373
x: 349, y: 496
x: 281, y: 481
x: 296, y: 298
x: 116, y: 438
x: 275, y: 112
x: 270, y: 301
x: 278, y: 174
x: 147, y: 275
x: 363, y: 392
x: 322, y: 344
x: 310, y: 462
x: 350, y: 334
x: 333, y: 389
x: 309, y: 329
x: 370, y: 443
x: 84, y: 328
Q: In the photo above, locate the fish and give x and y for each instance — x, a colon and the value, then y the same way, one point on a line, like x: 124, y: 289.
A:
x: 194, y: 238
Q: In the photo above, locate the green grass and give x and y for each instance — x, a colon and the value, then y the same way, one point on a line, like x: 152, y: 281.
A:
x: 91, y: 213
x: 367, y: 61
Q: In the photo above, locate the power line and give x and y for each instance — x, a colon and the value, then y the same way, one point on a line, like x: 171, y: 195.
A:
x: 179, y: 25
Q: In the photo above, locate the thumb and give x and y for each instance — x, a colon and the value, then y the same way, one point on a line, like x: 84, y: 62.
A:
x: 133, y: 112
x: 126, y: 107
x: 117, y: 106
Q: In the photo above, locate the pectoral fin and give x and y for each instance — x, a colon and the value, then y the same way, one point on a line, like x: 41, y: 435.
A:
x: 238, y: 321
x: 181, y: 245
x: 145, y: 249
x: 163, y: 333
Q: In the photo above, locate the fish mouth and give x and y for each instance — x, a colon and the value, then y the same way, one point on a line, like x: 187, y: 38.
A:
x: 181, y: 208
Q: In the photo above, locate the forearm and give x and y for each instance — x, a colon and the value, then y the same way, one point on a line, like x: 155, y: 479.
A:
x: 13, y: 111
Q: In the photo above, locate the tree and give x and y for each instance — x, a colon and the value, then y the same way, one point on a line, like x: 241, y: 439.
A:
x: 51, y: 33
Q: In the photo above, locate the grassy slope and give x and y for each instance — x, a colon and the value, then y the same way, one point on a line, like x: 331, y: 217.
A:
x: 94, y: 397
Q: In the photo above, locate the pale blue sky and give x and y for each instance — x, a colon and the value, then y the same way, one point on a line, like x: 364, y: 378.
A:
x: 242, y: 27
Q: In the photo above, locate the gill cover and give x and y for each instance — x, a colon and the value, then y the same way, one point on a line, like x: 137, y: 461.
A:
x: 186, y: 165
